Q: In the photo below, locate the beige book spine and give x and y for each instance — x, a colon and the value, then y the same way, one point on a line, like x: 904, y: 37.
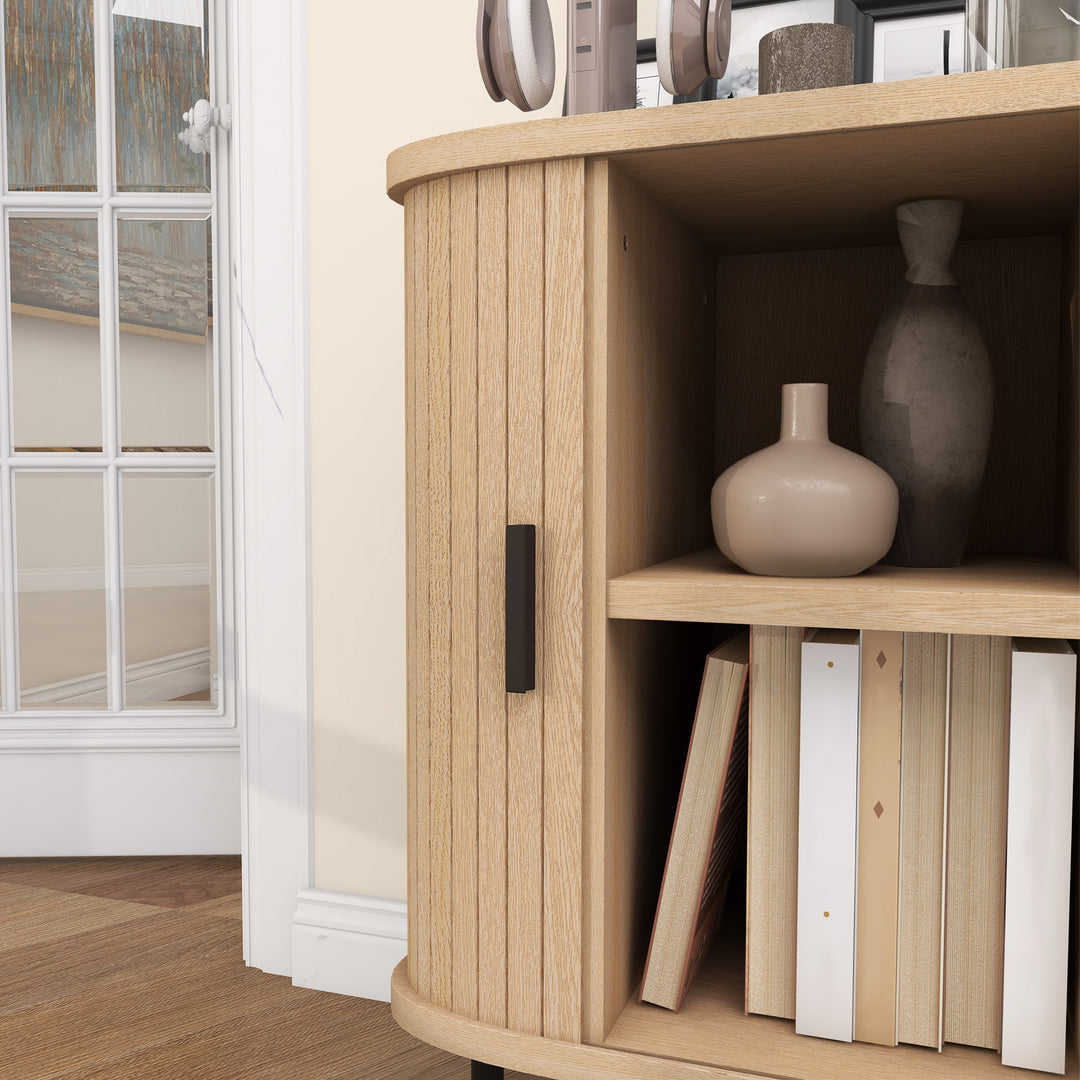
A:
x: 975, y: 853
x: 923, y: 761
x: 772, y: 847
x: 878, y: 861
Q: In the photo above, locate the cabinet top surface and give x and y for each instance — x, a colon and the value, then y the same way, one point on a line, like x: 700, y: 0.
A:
x: 996, y: 108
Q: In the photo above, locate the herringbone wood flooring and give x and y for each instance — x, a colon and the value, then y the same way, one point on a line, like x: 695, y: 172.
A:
x: 131, y: 969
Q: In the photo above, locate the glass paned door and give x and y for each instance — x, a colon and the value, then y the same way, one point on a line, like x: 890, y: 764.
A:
x: 114, y: 401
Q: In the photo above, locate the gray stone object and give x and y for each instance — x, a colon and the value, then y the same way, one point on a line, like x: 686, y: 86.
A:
x: 806, y: 56
x: 926, y: 398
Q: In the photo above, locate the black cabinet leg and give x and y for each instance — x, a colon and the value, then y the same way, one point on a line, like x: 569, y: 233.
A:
x: 480, y: 1071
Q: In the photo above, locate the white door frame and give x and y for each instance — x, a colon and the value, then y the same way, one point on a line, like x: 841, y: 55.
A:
x: 273, y: 572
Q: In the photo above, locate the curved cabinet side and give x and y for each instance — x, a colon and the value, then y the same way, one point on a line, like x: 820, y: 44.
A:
x: 494, y: 384
x: 534, y: 1054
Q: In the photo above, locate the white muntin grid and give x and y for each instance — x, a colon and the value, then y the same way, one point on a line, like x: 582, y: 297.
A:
x: 197, y: 725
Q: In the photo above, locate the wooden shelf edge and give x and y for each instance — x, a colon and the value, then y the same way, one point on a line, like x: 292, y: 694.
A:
x: 1030, y: 596
x: 1010, y: 91
x: 534, y: 1053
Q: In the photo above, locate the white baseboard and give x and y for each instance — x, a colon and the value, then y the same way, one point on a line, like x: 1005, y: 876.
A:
x: 347, y: 944
x: 120, y: 802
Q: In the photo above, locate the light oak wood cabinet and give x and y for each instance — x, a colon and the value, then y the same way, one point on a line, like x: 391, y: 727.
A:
x: 600, y: 313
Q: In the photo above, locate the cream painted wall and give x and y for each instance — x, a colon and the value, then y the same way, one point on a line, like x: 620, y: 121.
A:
x: 364, y: 99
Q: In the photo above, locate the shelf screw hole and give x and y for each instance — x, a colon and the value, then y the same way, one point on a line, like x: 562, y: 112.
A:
x: 830, y: 663
x: 625, y: 244
x: 826, y: 914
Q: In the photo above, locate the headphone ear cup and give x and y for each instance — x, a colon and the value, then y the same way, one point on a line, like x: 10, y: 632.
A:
x: 532, y: 51
x: 680, y: 44
x: 484, y: 15
x: 718, y: 38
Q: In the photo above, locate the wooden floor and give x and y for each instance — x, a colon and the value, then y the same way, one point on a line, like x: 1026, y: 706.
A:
x: 131, y: 969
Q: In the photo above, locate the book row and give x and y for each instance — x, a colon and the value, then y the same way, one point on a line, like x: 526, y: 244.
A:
x: 906, y: 801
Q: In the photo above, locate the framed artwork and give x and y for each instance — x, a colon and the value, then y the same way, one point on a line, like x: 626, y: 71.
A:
x: 904, y: 39
x: 650, y: 90
x: 751, y: 20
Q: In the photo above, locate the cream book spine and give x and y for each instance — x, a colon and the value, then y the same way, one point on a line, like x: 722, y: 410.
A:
x: 878, y: 869
x: 1042, y: 719
x: 923, y: 793
x: 828, y: 775
x: 772, y: 834
x: 975, y: 852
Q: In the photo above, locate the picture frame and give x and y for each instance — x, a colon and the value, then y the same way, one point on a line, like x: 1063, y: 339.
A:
x: 751, y: 20
x: 920, y: 49
x: 651, y: 92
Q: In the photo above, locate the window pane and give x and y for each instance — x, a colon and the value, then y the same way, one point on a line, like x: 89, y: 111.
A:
x: 49, y: 49
x: 55, y: 339
x: 161, y: 71
x: 169, y: 584
x: 60, y: 561
x: 166, y: 348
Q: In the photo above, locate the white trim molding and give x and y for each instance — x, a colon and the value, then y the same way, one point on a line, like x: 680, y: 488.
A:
x: 347, y: 944
x: 270, y: 319
x: 98, y: 801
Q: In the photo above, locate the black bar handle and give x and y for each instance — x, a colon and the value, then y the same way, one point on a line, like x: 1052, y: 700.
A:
x: 520, y: 608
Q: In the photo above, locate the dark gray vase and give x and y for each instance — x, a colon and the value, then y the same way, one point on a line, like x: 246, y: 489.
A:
x: 926, y: 399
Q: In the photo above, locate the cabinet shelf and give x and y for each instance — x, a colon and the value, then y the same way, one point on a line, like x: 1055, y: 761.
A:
x: 712, y: 1029
x: 1034, y: 596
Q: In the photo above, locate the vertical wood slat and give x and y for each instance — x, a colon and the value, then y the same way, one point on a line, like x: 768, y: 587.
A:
x: 439, y: 591
x: 411, y: 893
x: 419, y: 692
x: 463, y: 563
x: 564, y: 330
x: 491, y: 602
x: 525, y: 505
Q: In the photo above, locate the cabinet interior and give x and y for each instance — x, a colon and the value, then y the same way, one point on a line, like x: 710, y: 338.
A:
x: 693, y: 331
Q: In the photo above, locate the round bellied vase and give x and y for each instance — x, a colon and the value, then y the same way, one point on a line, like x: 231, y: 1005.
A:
x: 804, y: 507
x: 926, y: 397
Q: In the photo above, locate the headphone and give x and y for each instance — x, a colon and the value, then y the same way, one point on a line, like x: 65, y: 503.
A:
x: 693, y: 38
x: 516, y: 49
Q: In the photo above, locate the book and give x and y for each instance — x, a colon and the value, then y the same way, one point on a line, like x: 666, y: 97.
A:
x: 1042, y: 719
x: 975, y: 851
x: 772, y: 827
x: 828, y: 775
x: 923, y: 791
x: 878, y: 860
x: 709, y: 829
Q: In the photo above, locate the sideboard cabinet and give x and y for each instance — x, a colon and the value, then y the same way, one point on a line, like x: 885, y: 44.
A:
x: 600, y: 313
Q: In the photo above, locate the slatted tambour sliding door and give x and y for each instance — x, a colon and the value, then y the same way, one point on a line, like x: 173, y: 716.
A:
x: 494, y: 376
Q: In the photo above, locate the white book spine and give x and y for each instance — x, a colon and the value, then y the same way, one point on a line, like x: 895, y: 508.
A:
x: 1038, y: 846
x: 828, y: 778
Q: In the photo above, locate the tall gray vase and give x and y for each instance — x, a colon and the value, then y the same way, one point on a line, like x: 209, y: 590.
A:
x: 926, y: 399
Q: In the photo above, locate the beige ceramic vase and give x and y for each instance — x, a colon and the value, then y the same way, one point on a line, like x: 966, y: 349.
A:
x: 804, y: 507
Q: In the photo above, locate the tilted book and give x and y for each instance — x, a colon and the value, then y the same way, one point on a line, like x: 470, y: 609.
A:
x: 709, y: 829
